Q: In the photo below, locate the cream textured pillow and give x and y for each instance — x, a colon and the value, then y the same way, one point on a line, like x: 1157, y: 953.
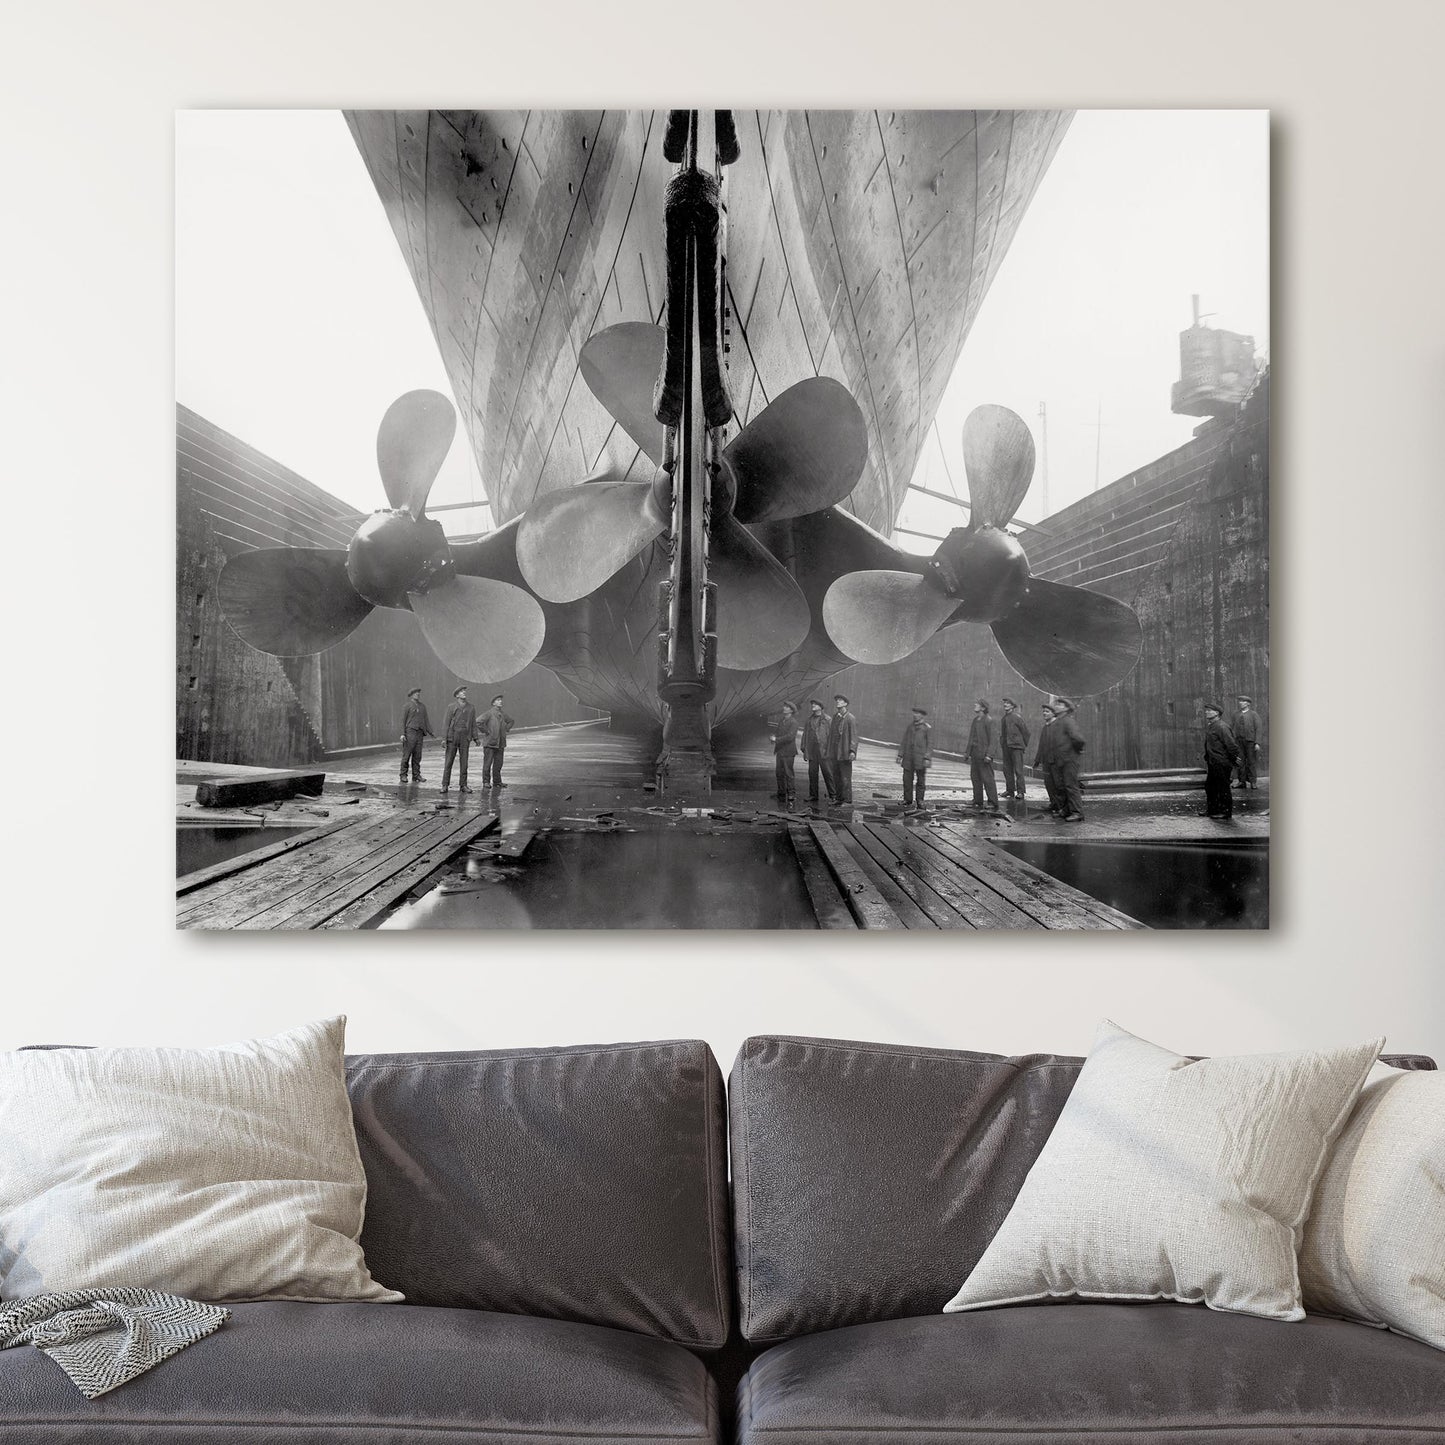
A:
x: 1374, y: 1244
x: 223, y: 1174
x: 1171, y: 1179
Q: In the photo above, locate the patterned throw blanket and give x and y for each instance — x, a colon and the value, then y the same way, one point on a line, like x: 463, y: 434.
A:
x: 103, y: 1337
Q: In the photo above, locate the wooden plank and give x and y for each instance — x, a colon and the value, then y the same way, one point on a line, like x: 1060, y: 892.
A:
x: 258, y: 855
x: 865, y: 902
x: 916, y: 905
x: 976, y: 905
x: 265, y: 788
x: 822, y: 887
x: 369, y: 909
x: 1054, y: 904
x: 226, y: 903
x: 312, y: 905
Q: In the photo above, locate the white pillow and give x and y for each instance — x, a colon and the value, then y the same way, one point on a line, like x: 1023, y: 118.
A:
x: 1374, y: 1244
x: 222, y: 1174
x: 1167, y: 1178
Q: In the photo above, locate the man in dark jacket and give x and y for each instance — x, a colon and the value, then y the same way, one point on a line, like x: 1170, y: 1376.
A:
x: 1013, y: 739
x: 982, y: 745
x: 1068, y: 743
x: 1044, y: 761
x: 459, y: 728
x: 785, y: 750
x: 915, y: 753
x: 415, y: 725
x: 815, y: 750
x: 493, y: 727
x: 1221, y: 753
x: 1245, y: 727
x: 842, y: 749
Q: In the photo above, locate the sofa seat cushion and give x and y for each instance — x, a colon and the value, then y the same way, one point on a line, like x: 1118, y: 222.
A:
x: 321, y: 1374
x: 1102, y: 1373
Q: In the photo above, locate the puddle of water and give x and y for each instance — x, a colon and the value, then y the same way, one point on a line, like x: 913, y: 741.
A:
x: 644, y: 879
x: 1165, y: 885
x: 199, y: 847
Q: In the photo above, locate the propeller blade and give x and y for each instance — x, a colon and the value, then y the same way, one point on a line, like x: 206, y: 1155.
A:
x: 1069, y: 641
x: 762, y: 615
x: 574, y: 539
x: 290, y: 601
x: 802, y: 453
x: 620, y: 366
x: 998, y: 457
x: 883, y: 616
x: 483, y: 630
x: 411, y: 444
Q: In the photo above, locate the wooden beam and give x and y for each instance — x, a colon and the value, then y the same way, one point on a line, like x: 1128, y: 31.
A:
x: 828, y: 905
x: 269, y: 787
x: 866, y: 903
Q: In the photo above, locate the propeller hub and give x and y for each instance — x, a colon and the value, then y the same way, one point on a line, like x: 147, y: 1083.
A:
x: 394, y: 553
x: 985, y: 569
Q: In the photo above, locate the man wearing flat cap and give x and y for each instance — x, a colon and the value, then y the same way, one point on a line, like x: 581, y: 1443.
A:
x: 1245, y: 727
x: 415, y: 725
x: 915, y: 753
x: 1068, y: 743
x: 1044, y: 762
x: 980, y: 749
x: 494, y: 727
x: 815, y: 750
x: 1013, y: 738
x: 459, y: 728
x: 842, y: 749
x: 1221, y: 753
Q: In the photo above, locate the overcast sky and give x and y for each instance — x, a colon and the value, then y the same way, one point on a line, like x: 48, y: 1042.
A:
x: 297, y: 322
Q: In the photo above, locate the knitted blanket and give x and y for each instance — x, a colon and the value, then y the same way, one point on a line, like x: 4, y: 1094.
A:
x: 103, y: 1337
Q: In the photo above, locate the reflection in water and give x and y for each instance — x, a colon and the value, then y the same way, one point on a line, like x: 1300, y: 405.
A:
x: 199, y: 846
x: 647, y: 879
x: 1165, y: 885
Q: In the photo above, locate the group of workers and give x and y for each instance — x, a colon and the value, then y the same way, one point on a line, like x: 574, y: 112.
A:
x: 461, y: 727
x: 830, y: 744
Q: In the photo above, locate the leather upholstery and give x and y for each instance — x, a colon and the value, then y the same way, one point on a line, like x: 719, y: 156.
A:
x: 573, y: 1183
x: 376, y: 1374
x: 869, y: 1178
x: 1105, y: 1374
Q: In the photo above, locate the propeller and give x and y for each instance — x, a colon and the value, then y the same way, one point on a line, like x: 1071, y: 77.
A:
x: 290, y: 601
x: 572, y: 540
x: 295, y: 601
x: 801, y: 454
x: 1061, y: 639
x: 411, y: 444
x: 1069, y: 641
x: 762, y: 615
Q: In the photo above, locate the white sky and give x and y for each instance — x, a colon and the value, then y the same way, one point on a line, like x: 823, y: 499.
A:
x: 297, y: 322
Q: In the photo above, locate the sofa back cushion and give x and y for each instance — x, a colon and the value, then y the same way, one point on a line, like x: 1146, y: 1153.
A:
x: 573, y: 1183
x: 869, y: 1178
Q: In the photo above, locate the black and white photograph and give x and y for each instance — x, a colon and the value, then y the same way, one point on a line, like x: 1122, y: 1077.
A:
x: 756, y: 519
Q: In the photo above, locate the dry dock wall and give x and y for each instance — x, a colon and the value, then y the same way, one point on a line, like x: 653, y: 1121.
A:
x: 237, y: 705
x: 1185, y: 541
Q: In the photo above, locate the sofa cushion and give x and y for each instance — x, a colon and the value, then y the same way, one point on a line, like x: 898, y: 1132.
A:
x: 322, y: 1374
x: 575, y: 1183
x: 1105, y: 1374
x: 869, y: 1178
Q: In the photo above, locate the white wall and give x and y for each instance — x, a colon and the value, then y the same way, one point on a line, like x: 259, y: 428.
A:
x: 1359, y: 352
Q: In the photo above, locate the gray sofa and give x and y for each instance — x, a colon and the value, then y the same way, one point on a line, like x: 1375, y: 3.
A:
x: 559, y: 1221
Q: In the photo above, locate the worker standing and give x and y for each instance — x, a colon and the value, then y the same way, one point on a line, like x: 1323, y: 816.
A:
x: 1013, y: 739
x: 1245, y: 727
x: 815, y: 750
x: 842, y: 749
x: 1068, y: 743
x: 415, y: 726
x: 1044, y: 761
x: 785, y: 750
x: 459, y: 728
x: 915, y: 753
x: 494, y: 727
x: 982, y: 744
